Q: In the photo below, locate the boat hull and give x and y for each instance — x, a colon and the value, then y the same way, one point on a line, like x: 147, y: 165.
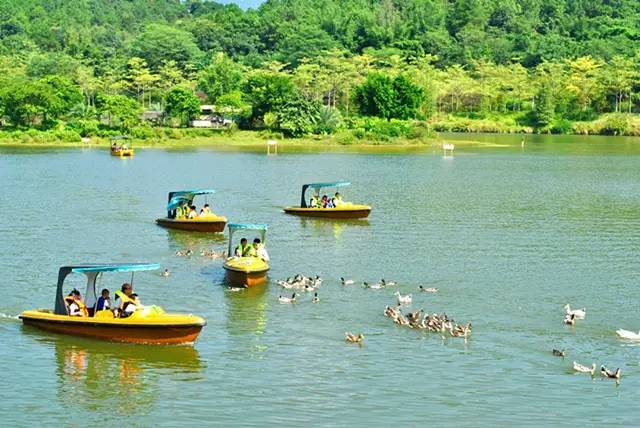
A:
x: 245, y: 271
x: 116, y: 330
x: 361, y: 211
x: 127, y: 153
x: 211, y: 226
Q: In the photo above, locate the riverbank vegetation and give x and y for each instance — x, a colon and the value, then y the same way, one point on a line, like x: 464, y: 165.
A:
x: 352, y: 71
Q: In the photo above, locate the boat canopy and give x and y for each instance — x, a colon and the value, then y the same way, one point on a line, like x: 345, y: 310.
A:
x: 92, y: 271
x: 184, y: 196
x: 233, y: 227
x: 317, y: 187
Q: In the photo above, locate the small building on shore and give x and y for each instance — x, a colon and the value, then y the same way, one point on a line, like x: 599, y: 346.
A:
x: 212, y: 117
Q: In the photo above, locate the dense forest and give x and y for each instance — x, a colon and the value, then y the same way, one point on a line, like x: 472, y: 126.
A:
x: 377, y: 68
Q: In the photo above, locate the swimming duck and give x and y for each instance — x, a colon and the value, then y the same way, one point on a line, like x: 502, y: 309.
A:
x: 584, y: 369
x: 309, y: 288
x: 346, y: 281
x: 373, y: 286
x: 626, y: 334
x: 403, y: 300
x: 352, y: 338
x: 428, y: 289
x: 558, y: 353
x: 183, y: 253
x: 165, y: 273
x: 389, y: 283
x: 605, y: 372
x: 579, y: 313
x: 315, y: 299
x: 570, y: 319
x: 285, y: 300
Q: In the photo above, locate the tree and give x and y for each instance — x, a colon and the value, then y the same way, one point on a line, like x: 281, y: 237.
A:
x: 298, y: 116
x: 183, y: 104
x: 220, y: 77
x: 382, y: 96
x: 267, y: 91
x: 158, y: 44
x: 140, y: 79
x: 122, y: 112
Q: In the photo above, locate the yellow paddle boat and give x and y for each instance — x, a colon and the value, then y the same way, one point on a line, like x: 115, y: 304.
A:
x: 245, y: 267
x: 178, y: 219
x: 340, y: 209
x: 149, y: 324
x: 121, y: 150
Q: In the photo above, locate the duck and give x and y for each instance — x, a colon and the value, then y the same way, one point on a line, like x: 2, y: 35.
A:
x: 579, y: 313
x: 403, y: 300
x: 390, y: 312
x: 183, y: 253
x: 428, y: 289
x: 584, y: 369
x: 309, y: 288
x: 287, y: 300
x: 626, y: 334
x: 346, y: 281
x: 352, y: 338
x: 315, y: 299
x: 605, y: 372
x: 165, y: 273
x: 373, y: 286
x: 558, y: 353
x: 570, y: 319
x: 389, y: 283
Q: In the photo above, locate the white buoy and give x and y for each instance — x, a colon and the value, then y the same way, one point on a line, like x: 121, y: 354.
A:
x: 274, y: 144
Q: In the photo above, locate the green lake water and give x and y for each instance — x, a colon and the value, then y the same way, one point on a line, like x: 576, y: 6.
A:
x: 508, y: 234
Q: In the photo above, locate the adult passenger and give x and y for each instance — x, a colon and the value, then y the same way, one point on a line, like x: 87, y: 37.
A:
x: 260, y: 250
x: 193, y: 213
x: 76, y: 306
x: 205, y: 211
x: 123, y: 299
x: 242, y: 250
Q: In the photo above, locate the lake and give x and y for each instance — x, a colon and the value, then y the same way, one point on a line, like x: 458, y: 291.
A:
x: 508, y: 234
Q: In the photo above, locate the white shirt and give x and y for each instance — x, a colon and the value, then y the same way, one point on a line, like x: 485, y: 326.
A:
x: 74, y: 309
x: 193, y: 214
x: 262, y: 253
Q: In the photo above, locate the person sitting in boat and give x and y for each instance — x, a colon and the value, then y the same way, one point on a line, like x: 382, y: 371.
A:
x: 314, y: 202
x: 337, y: 200
x: 114, y: 146
x: 104, y: 301
x: 206, y: 211
x: 132, y: 306
x: 123, y: 300
x: 75, y: 305
x: 193, y: 213
x: 259, y: 250
x: 243, y: 249
x: 180, y: 211
x: 324, y: 202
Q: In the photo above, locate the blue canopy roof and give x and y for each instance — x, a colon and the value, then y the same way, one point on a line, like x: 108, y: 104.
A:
x: 185, y: 195
x: 236, y: 226
x: 330, y: 184
x: 113, y: 267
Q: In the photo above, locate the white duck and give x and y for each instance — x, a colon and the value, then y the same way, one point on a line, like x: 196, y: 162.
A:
x: 626, y: 334
x: 579, y: 313
x: 373, y: 286
x: 165, y: 273
x: 346, y: 281
x: 428, y: 289
x: 287, y: 300
x: 584, y: 369
x: 389, y: 283
x: 608, y: 373
x: 403, y: 300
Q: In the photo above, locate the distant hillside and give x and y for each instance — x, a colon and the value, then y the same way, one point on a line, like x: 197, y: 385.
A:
x: 457, y: 31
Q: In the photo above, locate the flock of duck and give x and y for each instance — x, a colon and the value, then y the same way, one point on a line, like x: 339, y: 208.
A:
x: 571, y: 317
x: 420, y: 320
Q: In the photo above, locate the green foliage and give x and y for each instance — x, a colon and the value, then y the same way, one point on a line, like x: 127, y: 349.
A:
x: 158, y: 44
x: 382, y: 96
x: 120, y: 111
x: 298, y: 116
x: 183, y: 104
x: 267, y: 91
x: 221, y: 77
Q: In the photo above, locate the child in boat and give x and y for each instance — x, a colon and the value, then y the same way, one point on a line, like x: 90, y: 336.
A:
x: 193, y: 213
x: 104, y: 301
x: 324, y: 201
x: 260, y: 250
x: 205, y: 211
x: 75, y: 304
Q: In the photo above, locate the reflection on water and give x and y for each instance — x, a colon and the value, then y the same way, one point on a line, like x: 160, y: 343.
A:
x: 247, y: 321
x: 114, y: 377
x: 321, y: 227
x: 194, y: 241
